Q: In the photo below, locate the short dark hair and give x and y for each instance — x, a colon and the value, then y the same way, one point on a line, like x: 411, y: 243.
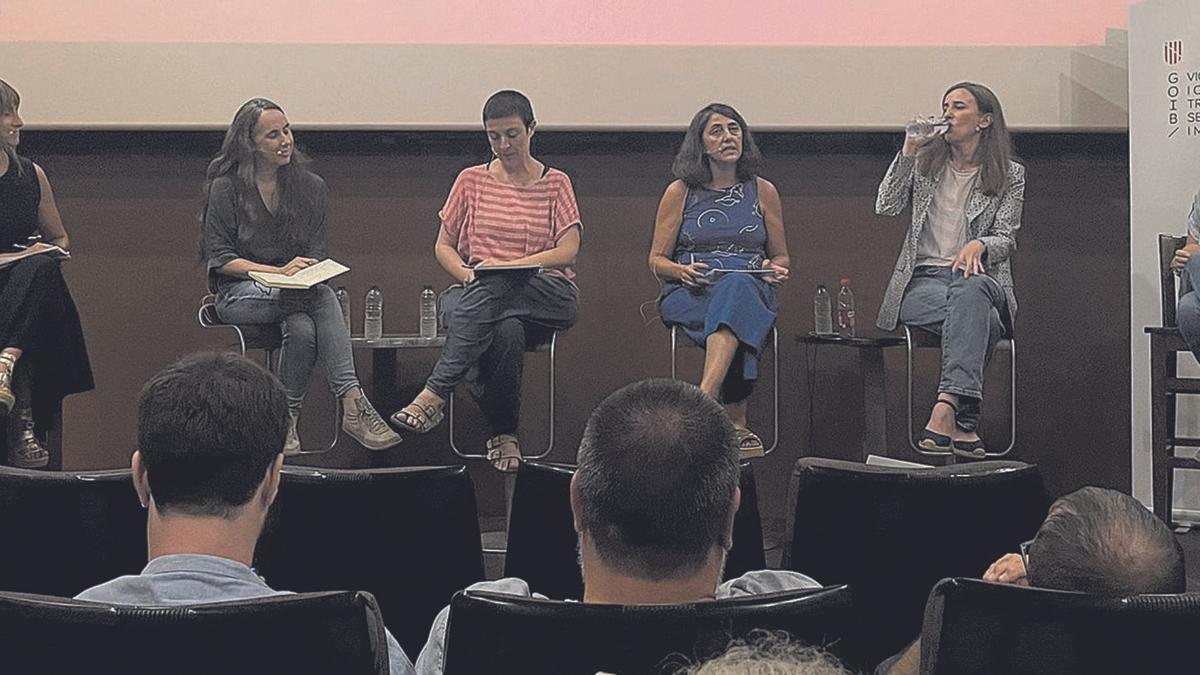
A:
x: 1097, y: 540
x: 209, y: 425
x: 658, y: 468
x: 691, y: 162
x: 508, y: 103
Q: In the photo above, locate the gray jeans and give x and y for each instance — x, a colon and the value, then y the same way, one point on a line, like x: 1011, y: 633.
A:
x: 486, y: 326
x: 312, y: 326
x: 966, y: 313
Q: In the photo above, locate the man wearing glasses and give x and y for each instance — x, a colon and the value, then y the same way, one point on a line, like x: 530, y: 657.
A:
x: 1094, y: 540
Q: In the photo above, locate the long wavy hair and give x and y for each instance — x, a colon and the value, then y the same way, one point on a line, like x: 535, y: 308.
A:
x: 691, y: 162
x: 10, y: 101
x: 995, y: 148
x: 236, y: 160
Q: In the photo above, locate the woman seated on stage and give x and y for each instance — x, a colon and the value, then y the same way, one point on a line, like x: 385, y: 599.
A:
x: 717, y: 221
x: 1186, y: 264
x: 517, y: 211
x: 952, y: 277
x: 39, y: 327
x: 267, y: 213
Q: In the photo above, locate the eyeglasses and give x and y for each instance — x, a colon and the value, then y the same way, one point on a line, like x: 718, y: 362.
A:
x: 1025, y: 554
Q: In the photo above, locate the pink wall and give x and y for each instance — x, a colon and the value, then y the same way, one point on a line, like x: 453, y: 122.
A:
x: 877, y: 23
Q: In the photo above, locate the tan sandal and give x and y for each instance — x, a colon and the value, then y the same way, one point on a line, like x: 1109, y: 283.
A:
x: 418, y: 418
x: 504, y: 452
x: 750, y: 446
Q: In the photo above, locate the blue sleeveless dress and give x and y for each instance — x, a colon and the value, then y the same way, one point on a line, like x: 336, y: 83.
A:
x: 724, y: 229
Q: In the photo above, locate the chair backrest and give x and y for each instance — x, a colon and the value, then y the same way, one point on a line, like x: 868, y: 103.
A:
x: 1168, y: 244
x: 541, y: 532
x: 973, y: 626
x: 409, y: 536
x: 494, y: 632
x: 63, y: 532
x: 892, y: 533
x: 338, y: 632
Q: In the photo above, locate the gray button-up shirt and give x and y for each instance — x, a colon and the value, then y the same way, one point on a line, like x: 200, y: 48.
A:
x: 193, y: 579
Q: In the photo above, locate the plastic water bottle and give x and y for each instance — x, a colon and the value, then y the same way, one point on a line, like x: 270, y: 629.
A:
x: 373, y: 324
x: 429, y: 327
x: 845, y: 309
x: 823, y: 311
x: 924, y: 127
x: 343, y: 298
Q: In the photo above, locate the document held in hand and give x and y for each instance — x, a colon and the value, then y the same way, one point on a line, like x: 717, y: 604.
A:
x: 306, y: 278
x: 39, y: 248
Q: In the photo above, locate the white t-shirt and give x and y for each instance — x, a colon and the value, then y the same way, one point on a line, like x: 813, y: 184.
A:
x: 945, y: 230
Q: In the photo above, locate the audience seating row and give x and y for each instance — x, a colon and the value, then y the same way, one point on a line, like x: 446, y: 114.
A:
x: 970, y: 627
x: 881, y: 538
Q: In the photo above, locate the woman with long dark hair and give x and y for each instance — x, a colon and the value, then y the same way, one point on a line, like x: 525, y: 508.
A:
x: 953, y: 276
x: 266, y: 212
x: 718, y: 224
x: 39, y: 326
x: 512, y: 210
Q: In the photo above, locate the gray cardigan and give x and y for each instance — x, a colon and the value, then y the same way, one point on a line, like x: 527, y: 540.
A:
x: 992, y: 220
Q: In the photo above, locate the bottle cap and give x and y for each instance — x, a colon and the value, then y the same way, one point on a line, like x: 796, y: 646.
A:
x: 845, y: 281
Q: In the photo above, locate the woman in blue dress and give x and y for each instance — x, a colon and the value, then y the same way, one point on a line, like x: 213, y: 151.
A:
x: 715, y: 222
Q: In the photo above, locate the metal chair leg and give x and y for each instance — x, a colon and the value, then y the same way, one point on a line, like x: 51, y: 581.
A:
x: 1012, y: 403
x: 775, y: 390
x: 552, y: 393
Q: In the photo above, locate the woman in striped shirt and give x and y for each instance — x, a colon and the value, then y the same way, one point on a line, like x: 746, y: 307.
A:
x: 513, y: 210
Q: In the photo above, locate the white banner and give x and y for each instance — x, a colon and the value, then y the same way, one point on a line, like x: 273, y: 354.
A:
x: 1164, y: 165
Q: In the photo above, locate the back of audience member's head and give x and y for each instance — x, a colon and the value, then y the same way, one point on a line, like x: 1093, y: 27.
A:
x: 209, y: 425
x: 769, y: 653
x: 1096, y: 540
x: 657, y: 478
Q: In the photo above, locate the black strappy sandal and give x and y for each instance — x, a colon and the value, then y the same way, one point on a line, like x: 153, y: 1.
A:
x: 970, y: 449
x: 932, y: 441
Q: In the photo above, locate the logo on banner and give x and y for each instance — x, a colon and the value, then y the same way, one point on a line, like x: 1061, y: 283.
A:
x: 1173, y: 52
x: 1183, y: 93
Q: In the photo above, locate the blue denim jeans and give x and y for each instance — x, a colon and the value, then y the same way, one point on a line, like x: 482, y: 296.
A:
x: 966, y: 313
x: 487, y: 325
x: 1188, y: 315
x: 312, y: 326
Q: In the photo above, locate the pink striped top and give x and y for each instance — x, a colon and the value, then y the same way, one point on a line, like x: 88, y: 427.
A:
x: 494, y: 220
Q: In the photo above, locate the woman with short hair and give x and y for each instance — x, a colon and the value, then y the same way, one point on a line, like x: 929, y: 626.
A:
x: 511, y: 210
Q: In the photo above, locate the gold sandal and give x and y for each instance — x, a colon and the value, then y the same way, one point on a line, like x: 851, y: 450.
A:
x: 7, y: 398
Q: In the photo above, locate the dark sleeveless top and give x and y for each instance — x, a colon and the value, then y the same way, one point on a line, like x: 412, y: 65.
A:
x: 20, y: 194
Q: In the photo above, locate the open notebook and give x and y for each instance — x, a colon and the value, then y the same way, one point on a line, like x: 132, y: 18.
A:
x: 306, y: 278
x: 39, y: 248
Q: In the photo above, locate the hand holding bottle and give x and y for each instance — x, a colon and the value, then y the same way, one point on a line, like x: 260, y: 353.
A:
x: 920, y: 131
